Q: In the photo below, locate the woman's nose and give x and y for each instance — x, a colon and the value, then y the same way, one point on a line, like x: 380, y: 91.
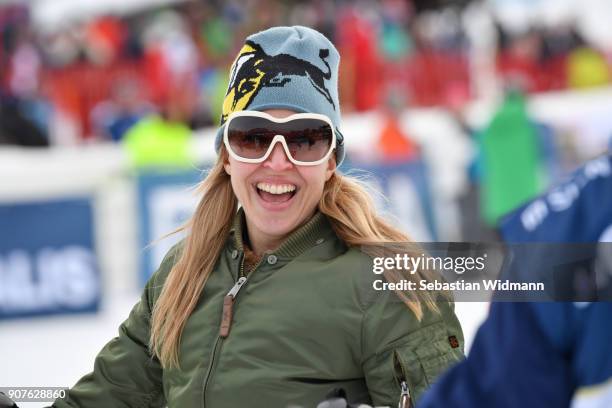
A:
x: 278, y: 160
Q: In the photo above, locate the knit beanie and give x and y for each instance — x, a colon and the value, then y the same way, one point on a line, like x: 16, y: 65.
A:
x: 293, y: 68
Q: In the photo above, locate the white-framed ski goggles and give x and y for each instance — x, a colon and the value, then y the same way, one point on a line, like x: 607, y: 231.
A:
x: 307, y: 138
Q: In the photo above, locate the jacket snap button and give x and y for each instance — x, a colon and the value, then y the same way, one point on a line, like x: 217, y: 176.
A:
x: 235, y: 253
x: 272, y: 259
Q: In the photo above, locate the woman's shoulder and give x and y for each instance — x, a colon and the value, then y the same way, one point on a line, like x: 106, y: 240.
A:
x: 338, y: 251
x: 156, y: 281
x: 355, y: 255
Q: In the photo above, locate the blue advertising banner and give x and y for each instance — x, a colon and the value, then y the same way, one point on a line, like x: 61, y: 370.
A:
x: 165, y: 200
x: 405, y: 191
x: 47, y: 260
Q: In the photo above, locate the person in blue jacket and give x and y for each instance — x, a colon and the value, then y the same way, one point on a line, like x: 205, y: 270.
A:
x: 544, y: 354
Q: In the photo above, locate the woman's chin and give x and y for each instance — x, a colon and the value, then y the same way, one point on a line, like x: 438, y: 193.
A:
x: 276, y: 225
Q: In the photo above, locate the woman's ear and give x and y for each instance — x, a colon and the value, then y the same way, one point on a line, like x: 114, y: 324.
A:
x: 226, y: 164
x: 331, y: 167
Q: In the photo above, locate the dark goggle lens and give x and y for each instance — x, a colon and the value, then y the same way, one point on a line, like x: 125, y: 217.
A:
x: 308, y: 140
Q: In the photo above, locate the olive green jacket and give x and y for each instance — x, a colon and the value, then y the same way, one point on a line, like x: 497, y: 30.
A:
x: 306, y: 320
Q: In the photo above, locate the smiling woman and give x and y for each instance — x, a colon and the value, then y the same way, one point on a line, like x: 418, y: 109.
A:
x: 264, y: 303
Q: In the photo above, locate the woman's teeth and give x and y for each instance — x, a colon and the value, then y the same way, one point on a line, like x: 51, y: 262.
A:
x: 275, y: 188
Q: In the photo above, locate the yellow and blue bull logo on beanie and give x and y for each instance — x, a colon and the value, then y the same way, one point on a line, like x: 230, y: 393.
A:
x: 293, y: 68
x: 254, y: 70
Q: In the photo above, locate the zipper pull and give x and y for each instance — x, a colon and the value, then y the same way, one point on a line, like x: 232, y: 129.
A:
x: 228, y: 306
x: 405, y: 401
x: 234, y: 290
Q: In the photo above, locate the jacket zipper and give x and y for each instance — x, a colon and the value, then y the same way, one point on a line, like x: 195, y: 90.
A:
x: 405, y: 401
x: 252, y: 269
x: 226, y: 321
x: 228, y: 308
x: 210, y: 368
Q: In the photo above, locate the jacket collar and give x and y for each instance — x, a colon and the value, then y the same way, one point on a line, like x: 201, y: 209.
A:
x: 312, y: 233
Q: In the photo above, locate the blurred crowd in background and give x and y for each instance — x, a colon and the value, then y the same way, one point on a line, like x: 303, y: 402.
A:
x: 154, y: 79
x: 94, y: 78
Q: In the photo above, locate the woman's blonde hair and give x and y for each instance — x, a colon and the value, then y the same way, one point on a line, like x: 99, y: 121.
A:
x: 345, y: 201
